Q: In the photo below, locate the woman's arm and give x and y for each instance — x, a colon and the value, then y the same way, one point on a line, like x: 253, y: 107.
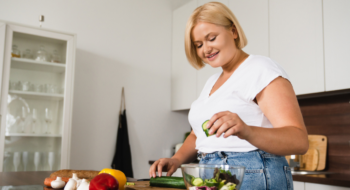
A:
x: 279, y: 104
x: 185, y: 154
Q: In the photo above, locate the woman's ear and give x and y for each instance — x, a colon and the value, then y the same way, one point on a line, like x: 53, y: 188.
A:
x: 234, y: 31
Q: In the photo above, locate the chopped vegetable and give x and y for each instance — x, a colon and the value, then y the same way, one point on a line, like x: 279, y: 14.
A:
x: 197, y: 181
x: 229, y: 186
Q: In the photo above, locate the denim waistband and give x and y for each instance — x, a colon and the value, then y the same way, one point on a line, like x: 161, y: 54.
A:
x: 225, y: 154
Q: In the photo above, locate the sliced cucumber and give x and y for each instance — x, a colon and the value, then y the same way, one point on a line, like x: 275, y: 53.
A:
x: 197, y: 182
x: 205, y: 129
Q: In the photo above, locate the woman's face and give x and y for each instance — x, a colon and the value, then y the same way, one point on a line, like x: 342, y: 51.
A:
x: 215, y: 44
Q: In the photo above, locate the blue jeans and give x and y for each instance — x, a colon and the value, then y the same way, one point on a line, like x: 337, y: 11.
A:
x: 264, y: 171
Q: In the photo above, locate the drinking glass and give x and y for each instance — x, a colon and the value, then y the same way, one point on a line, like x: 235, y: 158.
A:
x: 28, y: 54
x: 25, y: 160
x: 34, y: 119
x: 36, y: 160
x: 56, y: 58
x: 26, y: 86
x: 23, y: 118
x: 48, y: 119
x: 16, y: 160
x: 51, y: 159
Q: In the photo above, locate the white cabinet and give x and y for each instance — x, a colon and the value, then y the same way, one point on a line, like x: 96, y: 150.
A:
x: 183, y: 75
x: 337, y: 40
x: 296, y: 42
x: 36, y: 98
x: 298, y: 185
x: 314, y: 186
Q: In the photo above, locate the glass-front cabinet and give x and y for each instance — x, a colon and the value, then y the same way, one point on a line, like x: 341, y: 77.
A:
x: 36, y: 98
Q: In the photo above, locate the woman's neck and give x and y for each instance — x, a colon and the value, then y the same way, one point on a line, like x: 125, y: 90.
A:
x: 236, y: 61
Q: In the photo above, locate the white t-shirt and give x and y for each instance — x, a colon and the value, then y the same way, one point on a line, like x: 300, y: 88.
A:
x: 236, y: 95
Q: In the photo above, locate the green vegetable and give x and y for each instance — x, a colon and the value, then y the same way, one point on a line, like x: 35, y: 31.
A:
x: 197, y: 181
x: 228, y: 186
x: 189, y: 178
x: 210, y: 182
x: 174, y: 182
x: 205, y: 129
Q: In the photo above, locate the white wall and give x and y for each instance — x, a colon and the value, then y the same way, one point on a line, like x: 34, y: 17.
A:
x: 120, y: 43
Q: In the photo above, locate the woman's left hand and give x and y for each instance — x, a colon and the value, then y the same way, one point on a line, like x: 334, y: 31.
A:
x: 228, y: 123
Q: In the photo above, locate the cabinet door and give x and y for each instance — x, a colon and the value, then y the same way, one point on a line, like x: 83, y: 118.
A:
x: 2, y: 46
x: 298, y: 185
x: 337, y: 40
x: 183, y: 75
x: 296, y: 42
x: 36, y: 99
x: 204, y: 73
x: 253, y: 18
x: 314, y: 186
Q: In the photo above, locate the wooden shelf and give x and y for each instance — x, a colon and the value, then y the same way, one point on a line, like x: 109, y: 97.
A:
x: 30, y: 135
x: 29, y: 94
x: 29, y: 64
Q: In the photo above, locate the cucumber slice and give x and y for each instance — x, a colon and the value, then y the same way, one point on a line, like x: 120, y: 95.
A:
x: 205, y: 129
x: 197, y: 182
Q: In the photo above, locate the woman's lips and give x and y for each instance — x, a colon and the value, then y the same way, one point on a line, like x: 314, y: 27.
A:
x: 212, y: 57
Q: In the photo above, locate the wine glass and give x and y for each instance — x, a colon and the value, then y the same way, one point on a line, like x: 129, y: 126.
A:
x: 25, y: 160
x: 51, y: 159
x: 23, y: 118
x: 48, y: 119
x: 34, y: 119
x: 16, y: 160
x: 36, y: 160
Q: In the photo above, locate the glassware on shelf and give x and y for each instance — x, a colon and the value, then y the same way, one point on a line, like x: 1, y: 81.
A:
x: 25, y: 160
x: 41, y: 54
x: 27, y: 54
x: 13, y: 85
x: 19, y: 85
x: 15, y: 51
x: 26, y: 86
x: 16, y: 160
x: 23, y: 118
x: 56, y: 58
x: 36, y: 160
x: 48, y: 120
x: 34, y: 119
x: 51, y: 160
x: 38, y: 88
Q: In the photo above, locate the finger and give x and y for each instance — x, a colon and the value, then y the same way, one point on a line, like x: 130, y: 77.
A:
x: 214, y: 118
x: 160, y: 168
x: 171, y: 171
x: 231, y: 131
x: 152, y: 170
x: 223, y: 128
x: 219, y: 123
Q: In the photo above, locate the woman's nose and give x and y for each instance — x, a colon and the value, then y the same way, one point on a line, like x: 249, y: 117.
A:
x: 207, y: 49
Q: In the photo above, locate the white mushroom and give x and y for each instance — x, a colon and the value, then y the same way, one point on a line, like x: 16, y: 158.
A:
x: 58, y: 183
x: 84, y: 185
x: 71, y: 185
x: 75, y: 177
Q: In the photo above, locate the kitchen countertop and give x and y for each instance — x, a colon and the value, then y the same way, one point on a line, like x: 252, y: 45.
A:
x: 326, y: 179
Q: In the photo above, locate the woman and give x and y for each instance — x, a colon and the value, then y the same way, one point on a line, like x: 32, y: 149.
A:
x: 251, y: 106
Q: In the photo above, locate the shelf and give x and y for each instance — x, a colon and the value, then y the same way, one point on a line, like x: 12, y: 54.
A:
x: 29, y: 64
x: 30, y: 135
x: 29, y: 94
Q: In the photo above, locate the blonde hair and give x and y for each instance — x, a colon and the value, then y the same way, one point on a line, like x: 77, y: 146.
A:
x: 215, y: 13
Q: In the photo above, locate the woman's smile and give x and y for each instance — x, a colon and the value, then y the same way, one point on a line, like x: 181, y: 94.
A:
x: 212, y: 56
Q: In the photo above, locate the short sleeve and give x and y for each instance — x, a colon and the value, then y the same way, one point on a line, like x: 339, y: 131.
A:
x: 262, y: 72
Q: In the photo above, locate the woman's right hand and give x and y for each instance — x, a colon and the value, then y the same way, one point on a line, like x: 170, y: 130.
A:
x: 169, y: 165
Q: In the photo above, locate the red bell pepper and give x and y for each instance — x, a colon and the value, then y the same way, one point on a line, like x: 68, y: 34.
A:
x: 104, y: 181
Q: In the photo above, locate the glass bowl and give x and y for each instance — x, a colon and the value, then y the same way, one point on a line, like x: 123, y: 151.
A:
x: 214, y: 177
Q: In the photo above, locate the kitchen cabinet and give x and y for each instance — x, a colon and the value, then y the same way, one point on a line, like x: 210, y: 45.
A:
x: 296, y: 42
x: 314, y: 186
x: 337, y: 40
x: 36, y: 98
x: 183, y: 75
x: 298, y: 185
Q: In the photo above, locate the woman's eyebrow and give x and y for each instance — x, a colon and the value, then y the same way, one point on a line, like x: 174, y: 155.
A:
x: 204, y: 37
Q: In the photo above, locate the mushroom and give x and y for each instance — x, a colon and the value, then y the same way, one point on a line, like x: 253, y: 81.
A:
x: 58, y: 183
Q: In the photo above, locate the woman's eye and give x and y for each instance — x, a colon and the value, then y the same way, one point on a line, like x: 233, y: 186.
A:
x: 212, y: 39
x: 199, y: 46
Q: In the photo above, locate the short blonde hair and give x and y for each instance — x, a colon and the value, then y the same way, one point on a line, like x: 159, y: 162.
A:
x: 215, y: 13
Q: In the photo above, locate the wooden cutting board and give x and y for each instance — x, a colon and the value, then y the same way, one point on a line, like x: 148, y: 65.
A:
x: 144, y: 185
x: 315, y: 157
